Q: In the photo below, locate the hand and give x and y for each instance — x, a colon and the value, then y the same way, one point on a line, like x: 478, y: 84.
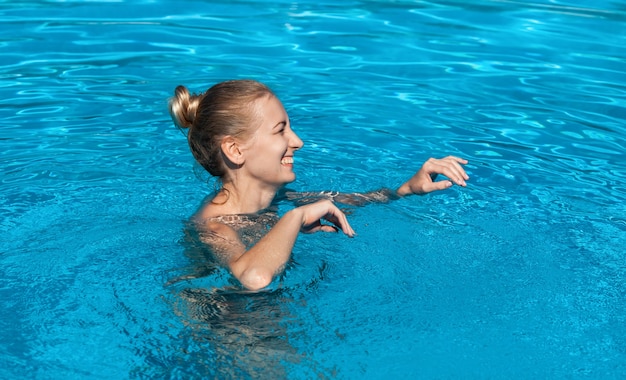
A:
x: 312, y: 215
x: 423, y: 181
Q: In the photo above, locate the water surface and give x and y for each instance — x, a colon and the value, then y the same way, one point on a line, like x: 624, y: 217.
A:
x: 521, y: 274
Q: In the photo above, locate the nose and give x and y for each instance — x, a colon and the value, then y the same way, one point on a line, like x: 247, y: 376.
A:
x: 295, y: 141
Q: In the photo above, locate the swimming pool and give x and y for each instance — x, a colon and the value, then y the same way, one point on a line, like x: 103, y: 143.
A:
x: 519, y: 275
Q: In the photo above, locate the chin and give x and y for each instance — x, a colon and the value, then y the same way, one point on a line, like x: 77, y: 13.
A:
x: 293, y: 178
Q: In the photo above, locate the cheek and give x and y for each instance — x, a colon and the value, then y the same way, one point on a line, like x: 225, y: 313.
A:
x: 273, y: 150
x: 277, y: 146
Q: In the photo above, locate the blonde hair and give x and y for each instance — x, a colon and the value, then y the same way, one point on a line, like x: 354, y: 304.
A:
x: 226, y: 109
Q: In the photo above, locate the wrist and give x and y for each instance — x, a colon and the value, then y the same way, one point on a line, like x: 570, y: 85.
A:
x: 404, y: 190
x: 295, y: 216
x: 385, y: 195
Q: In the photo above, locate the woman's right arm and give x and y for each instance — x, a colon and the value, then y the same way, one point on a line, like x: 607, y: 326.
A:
x: 256, y: 267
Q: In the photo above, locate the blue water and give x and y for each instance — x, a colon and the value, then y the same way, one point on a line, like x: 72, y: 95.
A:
x: 520, y: 275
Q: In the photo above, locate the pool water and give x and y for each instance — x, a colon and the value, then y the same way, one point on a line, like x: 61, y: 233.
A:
x: 520, y: 275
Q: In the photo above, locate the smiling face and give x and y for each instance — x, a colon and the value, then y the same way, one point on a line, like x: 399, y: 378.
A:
x: 269, y: 151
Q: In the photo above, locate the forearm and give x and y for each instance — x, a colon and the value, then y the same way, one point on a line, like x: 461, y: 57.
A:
x: 256, y: 267
x: 403, y: 190
x: 383, y: 195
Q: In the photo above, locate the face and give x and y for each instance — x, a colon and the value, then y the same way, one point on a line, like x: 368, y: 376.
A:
x: 269, y: 152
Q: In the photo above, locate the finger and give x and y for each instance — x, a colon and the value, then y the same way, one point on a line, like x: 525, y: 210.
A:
x: 454, y: 172
x: 342, y: 223
x: 309, y: 230
x: 457, y: 174
x: 457, y: 159
x: 456, y: 163
x: 312, y: 228
x: 339, y: 219
x: 327, y: 228
x: 435, y: 186
x: 346, y: 228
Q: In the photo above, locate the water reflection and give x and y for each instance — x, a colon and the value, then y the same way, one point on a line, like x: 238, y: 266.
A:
x: 229, y: 332
x: 239, y: 334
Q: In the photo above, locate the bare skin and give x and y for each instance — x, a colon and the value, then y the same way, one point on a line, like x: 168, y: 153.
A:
x: 424, y: 182
x: 258, y: 167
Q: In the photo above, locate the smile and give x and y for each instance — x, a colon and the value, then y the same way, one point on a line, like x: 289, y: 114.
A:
x: 286, y: 160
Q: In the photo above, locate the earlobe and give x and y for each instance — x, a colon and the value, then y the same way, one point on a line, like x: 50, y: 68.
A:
x: 231, y: 150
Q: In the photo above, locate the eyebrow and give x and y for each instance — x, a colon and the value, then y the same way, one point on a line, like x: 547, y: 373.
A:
x: 281, y: 124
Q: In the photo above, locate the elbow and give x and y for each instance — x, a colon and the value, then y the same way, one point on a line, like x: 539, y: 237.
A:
x: 256, y: 278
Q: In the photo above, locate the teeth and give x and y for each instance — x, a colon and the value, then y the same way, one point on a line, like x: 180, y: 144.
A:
x: 287, y: 160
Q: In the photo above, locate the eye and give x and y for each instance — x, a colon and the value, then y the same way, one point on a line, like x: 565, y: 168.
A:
x: 280, y: 128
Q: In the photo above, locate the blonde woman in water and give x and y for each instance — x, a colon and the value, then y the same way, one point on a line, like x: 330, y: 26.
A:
x: 239, y: 132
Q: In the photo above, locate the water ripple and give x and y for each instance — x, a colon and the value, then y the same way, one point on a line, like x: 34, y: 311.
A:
x: 96, y: 179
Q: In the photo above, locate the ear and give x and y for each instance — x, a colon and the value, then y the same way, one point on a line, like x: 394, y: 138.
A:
x: 232, y: 151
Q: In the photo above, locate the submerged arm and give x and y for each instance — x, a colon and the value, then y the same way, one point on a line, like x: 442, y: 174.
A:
x: 422, y: 182
x: 355, y: 199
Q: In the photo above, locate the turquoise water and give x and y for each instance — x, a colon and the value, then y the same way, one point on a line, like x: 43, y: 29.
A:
x: 520, y: 275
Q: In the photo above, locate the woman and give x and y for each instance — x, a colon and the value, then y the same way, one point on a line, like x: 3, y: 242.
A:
x: 239, y: 132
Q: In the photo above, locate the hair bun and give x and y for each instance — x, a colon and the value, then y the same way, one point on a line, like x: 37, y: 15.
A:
x: 183, y: 107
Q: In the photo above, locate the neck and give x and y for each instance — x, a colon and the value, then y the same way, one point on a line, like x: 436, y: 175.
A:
x: 244, y: 198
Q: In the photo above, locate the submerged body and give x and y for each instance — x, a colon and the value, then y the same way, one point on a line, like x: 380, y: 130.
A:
x: 240, y: 132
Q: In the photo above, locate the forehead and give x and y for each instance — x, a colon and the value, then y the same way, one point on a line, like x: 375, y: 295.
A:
x: 269, y: 109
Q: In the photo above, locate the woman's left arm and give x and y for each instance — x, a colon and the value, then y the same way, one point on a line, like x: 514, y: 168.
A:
x: 422, y: 182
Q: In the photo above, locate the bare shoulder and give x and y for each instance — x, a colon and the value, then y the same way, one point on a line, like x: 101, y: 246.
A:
x: 217, y: 229
x: 222, y: 238
x: 208, y: 210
